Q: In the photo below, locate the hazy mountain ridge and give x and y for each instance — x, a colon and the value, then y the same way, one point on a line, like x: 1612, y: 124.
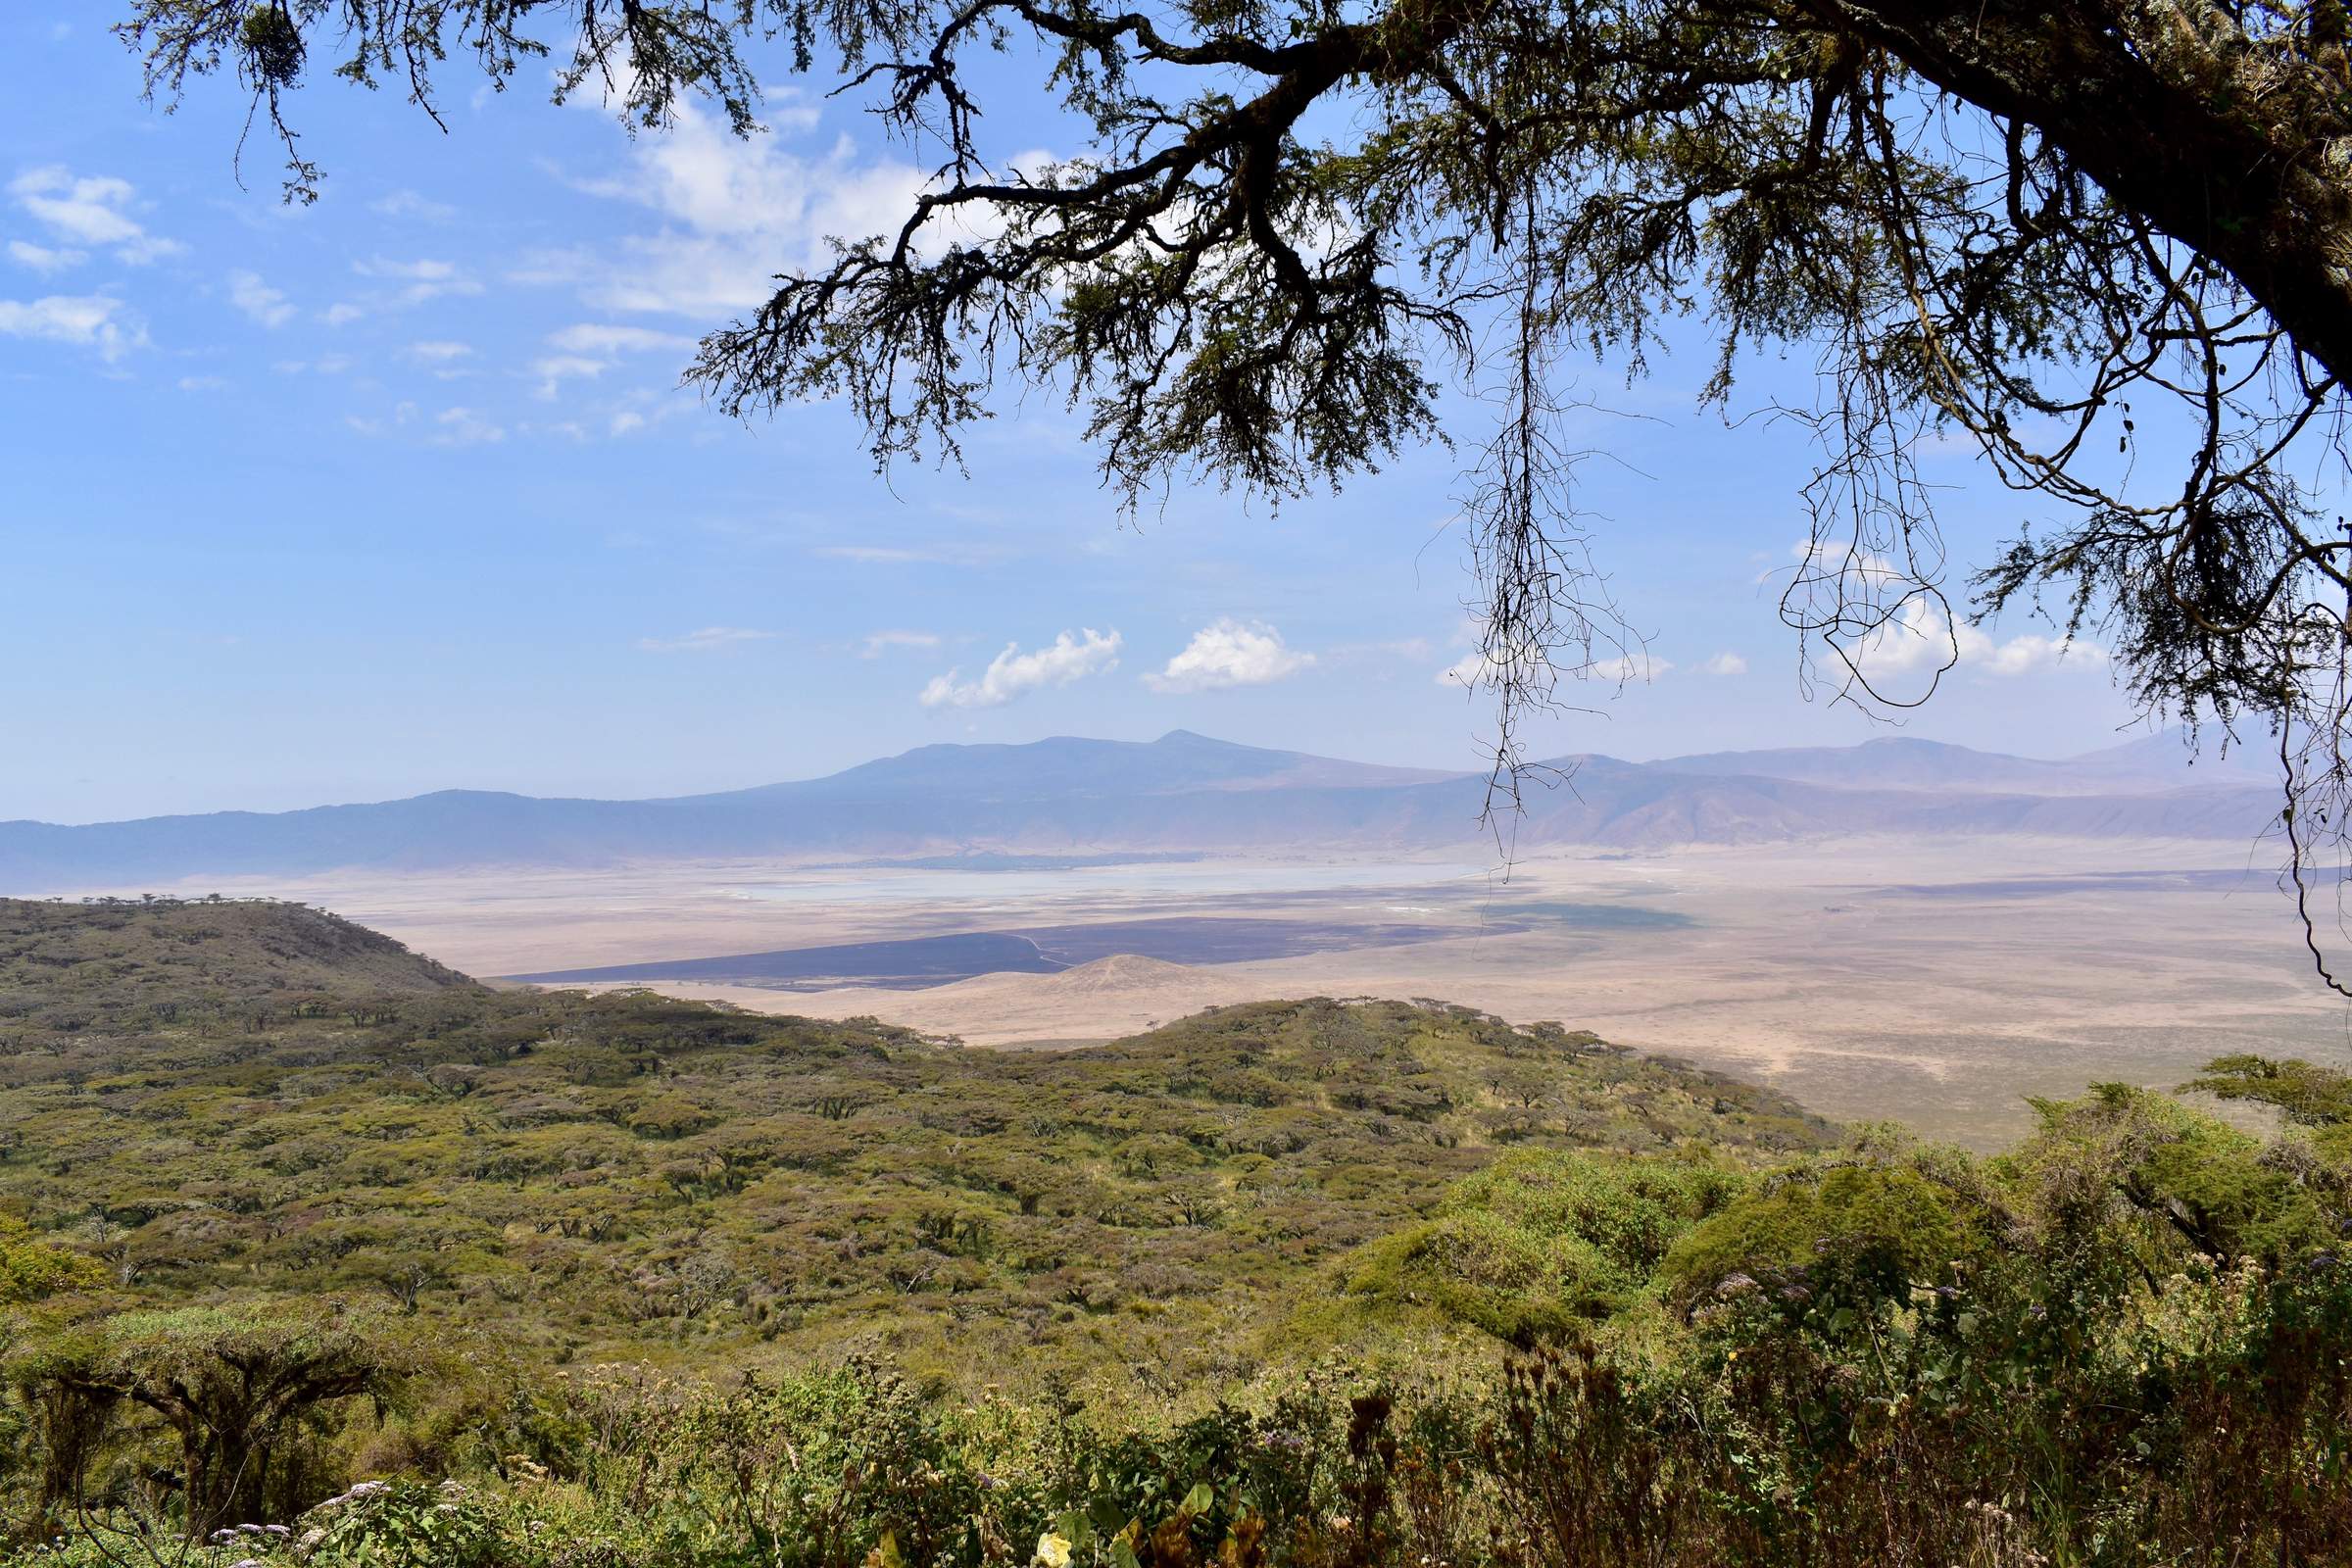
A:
x: 1181, y: 791
x: 2149, y: 765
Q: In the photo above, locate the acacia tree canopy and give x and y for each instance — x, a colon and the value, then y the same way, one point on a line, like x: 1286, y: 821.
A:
x: 2041, y: 225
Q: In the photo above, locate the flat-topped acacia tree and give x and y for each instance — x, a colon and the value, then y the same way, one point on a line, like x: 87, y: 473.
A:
x: 2036, y: 226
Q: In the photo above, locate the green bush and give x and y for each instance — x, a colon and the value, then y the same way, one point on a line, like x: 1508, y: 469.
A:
x: 1540, y: 1241
x: 1863, y: 1231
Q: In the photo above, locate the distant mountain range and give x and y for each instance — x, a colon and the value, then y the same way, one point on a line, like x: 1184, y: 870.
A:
x: 1181, y: 793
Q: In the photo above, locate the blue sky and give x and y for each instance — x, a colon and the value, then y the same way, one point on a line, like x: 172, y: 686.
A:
x: 397, y: 493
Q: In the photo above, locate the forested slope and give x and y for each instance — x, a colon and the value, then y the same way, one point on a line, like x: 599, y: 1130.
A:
x: 312, y: 1252
x: 260, y: 1097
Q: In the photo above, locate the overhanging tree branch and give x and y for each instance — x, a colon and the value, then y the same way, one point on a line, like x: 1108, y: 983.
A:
x: 2107, y: 242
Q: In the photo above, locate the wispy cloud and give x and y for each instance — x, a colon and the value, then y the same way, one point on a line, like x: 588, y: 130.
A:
x: 587, y: 350
x: 403, y: 415
x: 1624, y: 668
x: 408, y: 204
x: 89, y: 320
x: 882, y: 642
x: 605, y: 339
x: 555, y: 370
x: 257, y: 299
x: 733, y: 210
x: 1013, y: 673
x: 443, y: 276
x: 707, y: 640
x: 1475, y: 670
x: 463, y: 428
x: 407, y: 282
x: 882, y: 555
x: 1725, y: 663
x: 90, y: 210
x: 1228, y: 653
x: 42, y: 259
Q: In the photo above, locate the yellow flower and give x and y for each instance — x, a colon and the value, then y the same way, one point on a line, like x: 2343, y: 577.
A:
x: 1052, y: 1550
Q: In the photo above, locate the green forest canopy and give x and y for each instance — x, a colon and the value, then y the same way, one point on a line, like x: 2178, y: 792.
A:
x: 312, y: 1243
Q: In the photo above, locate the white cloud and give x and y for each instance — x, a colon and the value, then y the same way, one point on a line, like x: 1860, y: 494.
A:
x: 463, y: 427
x: 625, y: 423
x: 90, y: 210
x: 342, y: 315
x: 1229, y: 653
x: 1474, y: 669
x: 882, y: 642
x: 1917, y: 636
x: 879, y: 554
x: 42, y: 259
x: 257, y: 299
x: 403, y: 413
x: 425, y: 270
x: 734, y: 212
x: 439, y: 350
x: 1726, y: 663
x: 201, y: 383
x: 550, y: 268
x: 1471, y: 669
x: 588, y: 350
x: 739, y: 211
x: 709, y: 640
x: 420, y: 280
x: 91, y: 320
x: 605, y: 339
x: 2025, y: 653
x: 1916, y: 640
x: 1625, y: 669
x: 408, y: 204
x: 557, y: 369
x: 1012, y: 672
x: 1922, y: 638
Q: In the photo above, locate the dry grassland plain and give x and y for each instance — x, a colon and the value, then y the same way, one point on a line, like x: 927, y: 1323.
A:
x: 1934, y: 984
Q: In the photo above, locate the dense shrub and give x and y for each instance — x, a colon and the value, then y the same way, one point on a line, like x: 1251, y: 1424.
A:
x: 424, y: 1277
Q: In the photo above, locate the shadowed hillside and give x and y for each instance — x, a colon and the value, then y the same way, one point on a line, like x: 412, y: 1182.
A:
x: 123, y: 965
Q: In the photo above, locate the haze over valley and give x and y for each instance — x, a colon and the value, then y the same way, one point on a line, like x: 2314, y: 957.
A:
x: 1186, y: 792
